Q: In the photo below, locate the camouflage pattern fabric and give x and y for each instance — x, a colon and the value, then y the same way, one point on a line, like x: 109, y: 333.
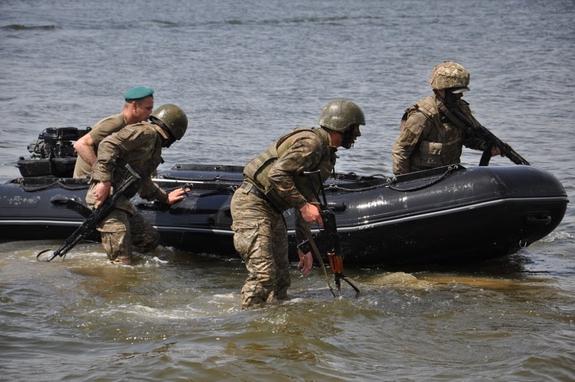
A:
x: 278, y: 171
x: 140, y: 146
x: 99, y: 131
x: 449, y: 74
x: 427, y: 139
x: 121, y: 231
x: 260, y: 238
x: 260, y: 234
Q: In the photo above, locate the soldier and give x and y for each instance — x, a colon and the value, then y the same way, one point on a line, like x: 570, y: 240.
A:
x: 138, y: 106
x: 140, y: 146
x: 427, y: 137
x: 275, y: 181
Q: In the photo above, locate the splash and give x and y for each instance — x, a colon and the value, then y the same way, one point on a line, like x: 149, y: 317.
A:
x: 402, y: 280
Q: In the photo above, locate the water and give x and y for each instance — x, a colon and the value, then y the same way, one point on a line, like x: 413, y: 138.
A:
x: 246, y: 72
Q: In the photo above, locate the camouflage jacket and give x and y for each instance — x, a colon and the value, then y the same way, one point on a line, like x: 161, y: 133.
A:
x: 279, y: 171
x: 100, y: 130
x: 427, y: 139
x: 140, y: 146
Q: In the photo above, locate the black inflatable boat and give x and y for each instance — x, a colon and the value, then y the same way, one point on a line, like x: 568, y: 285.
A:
x: 451, y: 214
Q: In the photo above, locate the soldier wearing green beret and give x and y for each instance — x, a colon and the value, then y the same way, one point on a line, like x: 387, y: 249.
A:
x: 139, y: 102
x: 140, y: 146
x: 427, y: 137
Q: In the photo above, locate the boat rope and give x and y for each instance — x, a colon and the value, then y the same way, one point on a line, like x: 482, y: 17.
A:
x: 448, y: 170
x: 391, y: 182
x: 215, y: 179
x: 34, y: 185
x: 221, y: 183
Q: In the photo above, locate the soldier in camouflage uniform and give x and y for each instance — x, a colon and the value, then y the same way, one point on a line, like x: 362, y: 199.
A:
x: 138, y: 106
x: 274, y: 182
x: 140, y: 146
x: 427, y: 138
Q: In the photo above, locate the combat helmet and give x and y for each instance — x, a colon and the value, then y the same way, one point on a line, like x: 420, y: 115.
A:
x: 172, y: 118
x: 448, y: 75
x: 339, y: 114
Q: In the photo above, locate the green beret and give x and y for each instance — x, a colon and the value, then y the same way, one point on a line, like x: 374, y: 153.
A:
x: 138, y: 92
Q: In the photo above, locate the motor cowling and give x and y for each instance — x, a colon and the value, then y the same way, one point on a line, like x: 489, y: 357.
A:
x: 52, y: 154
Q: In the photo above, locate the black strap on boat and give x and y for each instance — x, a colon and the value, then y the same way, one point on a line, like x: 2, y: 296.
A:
x: 72, y: 203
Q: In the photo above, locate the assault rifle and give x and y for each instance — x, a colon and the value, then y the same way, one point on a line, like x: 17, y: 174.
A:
x: 330, y: 241
x: 92, y: 221
x: 459, y: 119
x: 503, y: 147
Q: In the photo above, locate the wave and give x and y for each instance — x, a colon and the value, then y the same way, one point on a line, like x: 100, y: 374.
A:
x: 298, y: 20
x: 164, y: 23
x: 333, y: 20
x: 23, y: 27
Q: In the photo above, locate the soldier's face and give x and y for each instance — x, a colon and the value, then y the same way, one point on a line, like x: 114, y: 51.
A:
x: 143, y: 108
x: 167, y: 142
x: 452, y: 98
x: 349, y: 136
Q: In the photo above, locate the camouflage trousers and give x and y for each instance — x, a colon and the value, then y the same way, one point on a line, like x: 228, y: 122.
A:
x: 122, y: 230
x: 260, y: 237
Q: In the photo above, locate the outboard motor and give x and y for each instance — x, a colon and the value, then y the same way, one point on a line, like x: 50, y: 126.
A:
x: 53, y: 153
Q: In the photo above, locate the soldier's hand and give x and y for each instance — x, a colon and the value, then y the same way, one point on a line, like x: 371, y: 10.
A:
x: 176, y: 195
x: 101, y: 192
x: 310, y: 213
x: 305, y: 262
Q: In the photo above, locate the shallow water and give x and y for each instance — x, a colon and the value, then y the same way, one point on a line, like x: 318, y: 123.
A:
x: 247, y: 72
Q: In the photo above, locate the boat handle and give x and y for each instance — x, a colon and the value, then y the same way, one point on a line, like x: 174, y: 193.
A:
x: 337, y: 207
x: 539, y: 219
